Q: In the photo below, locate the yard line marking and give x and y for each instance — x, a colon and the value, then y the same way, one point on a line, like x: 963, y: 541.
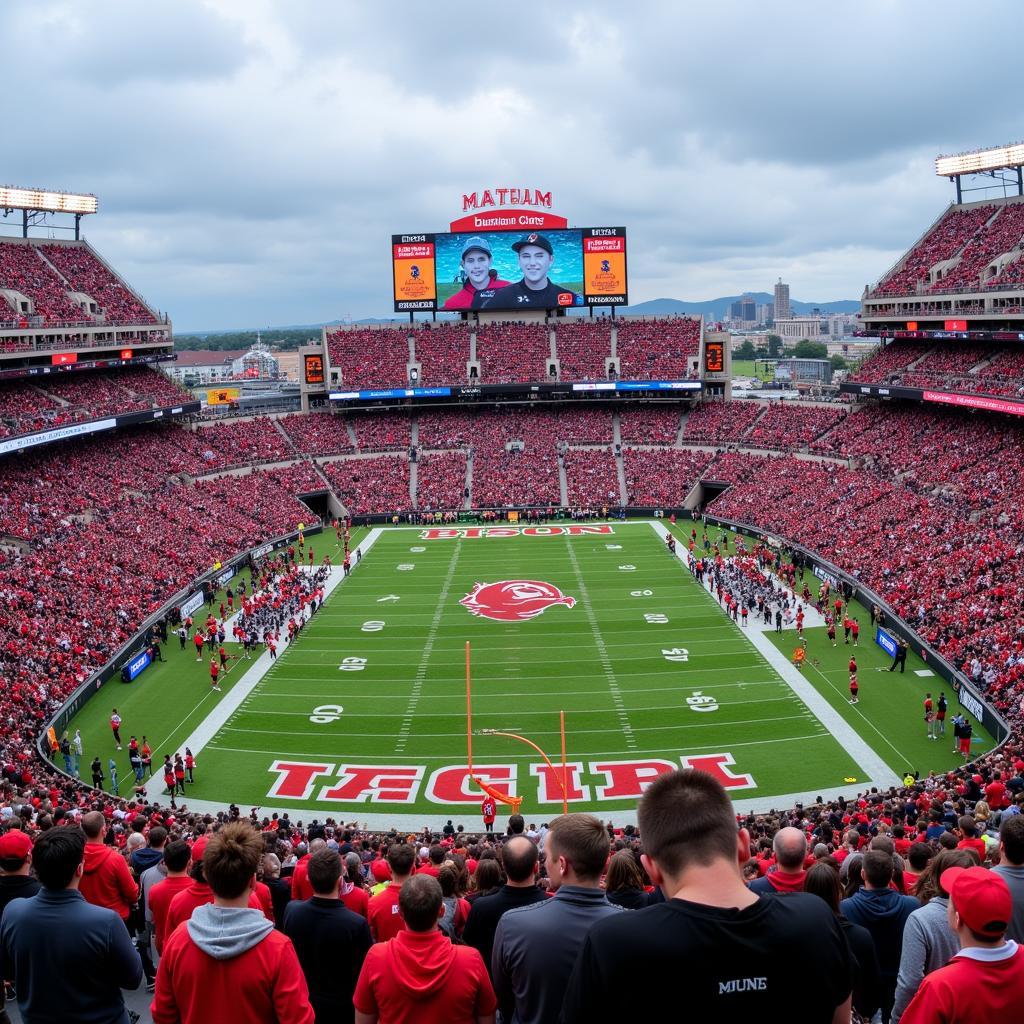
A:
x: 602, y: 651
x: 428, y: 647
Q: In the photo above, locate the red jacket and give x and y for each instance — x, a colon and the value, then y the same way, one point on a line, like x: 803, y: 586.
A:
x: 463, y: 298
x: 107, y: 881
x: 262, y: 985
x: 196, y: 895
x: 301, y: 889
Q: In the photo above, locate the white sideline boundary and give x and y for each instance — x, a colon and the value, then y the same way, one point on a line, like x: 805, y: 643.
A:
x: 236, y: 696
x: 881, y: 775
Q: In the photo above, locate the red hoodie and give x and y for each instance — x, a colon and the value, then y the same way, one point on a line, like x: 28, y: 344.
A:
x: 198, y: 894
x: 107, y: 881
x: 421, y: 978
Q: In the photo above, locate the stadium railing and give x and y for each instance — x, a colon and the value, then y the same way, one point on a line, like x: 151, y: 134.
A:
x: 127, y: 651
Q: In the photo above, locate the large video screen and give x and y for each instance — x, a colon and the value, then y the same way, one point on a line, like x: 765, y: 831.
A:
x: 505, y: 271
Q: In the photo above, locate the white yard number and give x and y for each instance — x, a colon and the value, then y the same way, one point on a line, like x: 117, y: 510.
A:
x: 698, y: 702
x: 417, y: 550
x: 627, y: 568
x: 641, y: 593
x: 352, y: 665
x: 614, y: 547
x: 676, y: 654
x: 656, y: 618
x: 326, y: 713
x: 405, y: 567
x: 373, y: 626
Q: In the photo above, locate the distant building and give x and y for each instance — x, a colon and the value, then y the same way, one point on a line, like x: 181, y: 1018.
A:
x: 804, y: 371
x: 782, y: 307
x: 203, y: 366
x: 748, y: 309
x: 765, y: 312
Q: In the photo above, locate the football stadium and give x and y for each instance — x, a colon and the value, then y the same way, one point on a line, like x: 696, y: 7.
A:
x: 514, y: 554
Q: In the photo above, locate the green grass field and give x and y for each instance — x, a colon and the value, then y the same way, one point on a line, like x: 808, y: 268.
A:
x: 614, y: 662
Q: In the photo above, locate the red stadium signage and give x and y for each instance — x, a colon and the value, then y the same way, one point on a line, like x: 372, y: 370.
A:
x: 476, y: 532
x: 956, y: 325
x: 600, y: 780
x: 63, y: 358
x: 507, y: 209
x: 975, y: 402
x: 126, y: 353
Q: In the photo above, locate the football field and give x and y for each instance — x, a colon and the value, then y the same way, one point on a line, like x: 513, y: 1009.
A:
x: 364, y: 717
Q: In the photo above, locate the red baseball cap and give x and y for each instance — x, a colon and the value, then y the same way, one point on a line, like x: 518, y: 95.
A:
x: 381, y: 870
x: 15, y: 845
x: 981, y: 898
x: 199, y: 848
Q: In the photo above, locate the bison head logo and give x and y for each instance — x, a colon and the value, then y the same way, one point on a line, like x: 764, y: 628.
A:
x: 514, y: 600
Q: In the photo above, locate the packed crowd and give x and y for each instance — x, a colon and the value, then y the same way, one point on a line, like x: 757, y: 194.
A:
x: 583, y: 346
x: 967, y: 367
x: 511, y: 353
x: 85, y: 272
x: 954, y: 230
x: 369, y: 357
x: 23, y: 270
x: 442, y: 351
x: 441, y: 480
x: 655, y: 478
x: 371, y: 484
x: 649, y: 424
x: 720, y: 422
x: 1002, y: 234
x: 319, y: 433
x: 381, y: 432
x: 659, y: 349
x: 591, y: 477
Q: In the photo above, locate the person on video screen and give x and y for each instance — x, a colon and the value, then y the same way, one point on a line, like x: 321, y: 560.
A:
x: 534, y: 290
x: 476, y: 274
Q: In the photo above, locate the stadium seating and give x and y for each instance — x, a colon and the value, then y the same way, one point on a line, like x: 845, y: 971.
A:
x: 378, y: 484
x: 443, y: 352
x: 23, y: 270
x: 720, y: 422
x: 655, y: 478
x: 318, y: 433
x: 592, y: 478
x: 943, y: 242
x: 382, y: 432
x: 511, y: 353
x: 1001, y: 235
x: 649, y: 424
x: 787, y: 426
x: 657, y: 349
x: 441, y: 480
x: 369, y: 357
x: 238, y: 442
x: 85, y: 272
x: 583, y: 346
x: 894, y: 357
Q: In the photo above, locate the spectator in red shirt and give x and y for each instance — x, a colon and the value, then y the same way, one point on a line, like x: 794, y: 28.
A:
x: 106, y: 880
x: 419, y: 976
x: 385, y: 920
x: 790, y: 845
x: 177, y: 857
x: 228, y: 962
x: 971, y: 840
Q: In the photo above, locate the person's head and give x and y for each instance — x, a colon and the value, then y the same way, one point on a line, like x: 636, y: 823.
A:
x: 790, y: 846
x: 521, y: 860
x: 231, y: 858
x: 271, y: 865
x: 516, y: 825
x: 968, y: 828
x: 476, y: 262
x: 94, y: 825
x: 576, y: 849
x: 980, y: 905
x: 401, y: 858
x: 686, y: 820
x: 929, y: 884
x: 487, y: 876
x: 353, y: 867
x: 822, y: 880
x: 157, y: 837
x: 58, y: 857
x: 876, y: 869
x: 1011, y: 840
x: 420, y: 903
x: 324, y: 872
x: 15, y: 852
x: 535, y: 259
x: 623, y: 873
x: 177, y: 855
x: 436, y: 855
x: 448, y: 876
x: 919, y: 855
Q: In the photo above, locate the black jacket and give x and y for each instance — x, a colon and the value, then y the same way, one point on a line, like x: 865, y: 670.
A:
x: 485, y: 913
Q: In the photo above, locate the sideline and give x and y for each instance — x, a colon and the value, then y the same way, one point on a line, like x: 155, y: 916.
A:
x: 234, y: 698
x: 881, y: 775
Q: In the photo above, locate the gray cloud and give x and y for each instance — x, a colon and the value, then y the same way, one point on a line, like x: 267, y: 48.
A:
x: 252, y: 157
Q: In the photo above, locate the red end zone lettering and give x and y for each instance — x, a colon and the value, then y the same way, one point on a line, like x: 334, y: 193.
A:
x: 716, y: 765
x: 627, y: 780
x: 452, y: 785
x: 376, y: 784
x: 549, y: 790
x: 296, y: 778
x: 476, y: 532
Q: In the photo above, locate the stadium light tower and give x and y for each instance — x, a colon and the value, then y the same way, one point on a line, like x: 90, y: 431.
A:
x: 983, y: 162
x: 37, y: 203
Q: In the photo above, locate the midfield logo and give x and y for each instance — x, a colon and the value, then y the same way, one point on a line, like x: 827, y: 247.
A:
x: 514, y: 600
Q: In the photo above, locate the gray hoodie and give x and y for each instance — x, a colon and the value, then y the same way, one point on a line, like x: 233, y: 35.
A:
x: 227, y: 932
x: 928, y: 944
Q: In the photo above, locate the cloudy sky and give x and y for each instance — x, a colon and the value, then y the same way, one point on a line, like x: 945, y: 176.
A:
x: 252, y: 157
